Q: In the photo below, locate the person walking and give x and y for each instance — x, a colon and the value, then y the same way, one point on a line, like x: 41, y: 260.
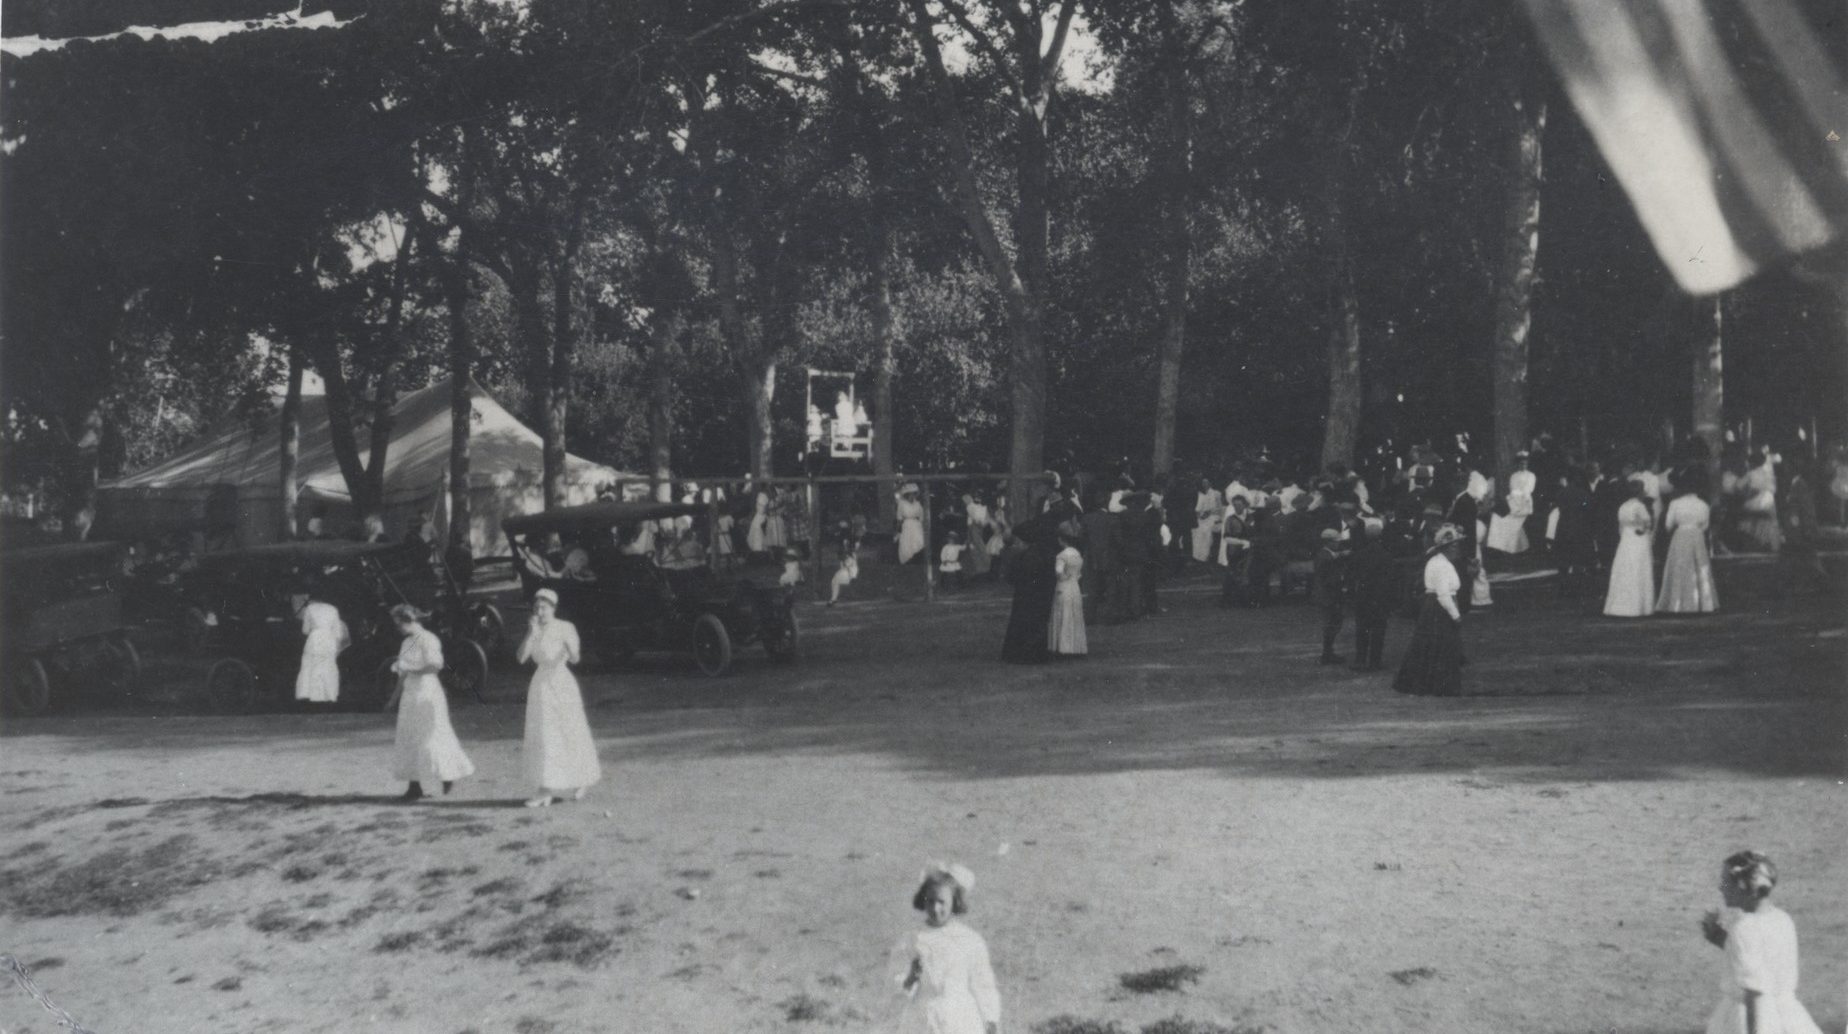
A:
x: 558, y: 758
x: 425, y: 749
x: 1373, y: 585
x: 1433, y: 664
x: 1632, y: 588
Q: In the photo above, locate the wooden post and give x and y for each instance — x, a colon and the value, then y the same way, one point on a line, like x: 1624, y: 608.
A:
x: 814, y: 536
x: 712, y: 532
x: 930, y: 560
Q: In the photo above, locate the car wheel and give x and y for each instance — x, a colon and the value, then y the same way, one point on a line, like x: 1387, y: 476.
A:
x: 467, y: 672
x: 780, y: 642
x: 120, y: 667
x: 195, y: 629
x: 487, y: 628
x: 712, y: 647
x: 28, y: 689
x: 231, y: 686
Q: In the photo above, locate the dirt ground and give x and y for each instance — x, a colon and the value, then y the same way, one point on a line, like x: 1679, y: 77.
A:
x: 1198, y: 825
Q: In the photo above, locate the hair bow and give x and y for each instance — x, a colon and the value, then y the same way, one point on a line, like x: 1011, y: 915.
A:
x: 958, y: 873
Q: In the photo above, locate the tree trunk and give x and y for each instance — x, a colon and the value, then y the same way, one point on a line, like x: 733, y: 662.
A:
x: 667, y: 330
x: 1514, y: 289
x: 885, y: 342
x: 757, y: 384
x: 1027, y: 367
x: 1709, y: 395
x: 558, y: 385
x: 461, y: 415
x: 291, y: 447
x: 340, y: 412
x: 1176, y: 180
x: 1341, y: 433
x: 85, y: 466
x: 385, y: 392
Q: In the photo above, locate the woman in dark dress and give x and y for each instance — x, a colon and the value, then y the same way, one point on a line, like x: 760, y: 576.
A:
x: 1035, y: 581
x: 1433, y: 664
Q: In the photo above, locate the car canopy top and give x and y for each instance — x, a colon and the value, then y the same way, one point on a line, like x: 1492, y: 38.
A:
x: 594, y: 516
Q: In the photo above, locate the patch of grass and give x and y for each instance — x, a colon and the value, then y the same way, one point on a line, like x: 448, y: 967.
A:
x: 504, y: 885
x: 768, y: 874
x: 578, y: 945
x: 117, y: 825
x: 187, y: 979
x: 693, y: 874
x: 117, y: 882
x: 309, y: 930
x: 50, y: 963
x: 1408, y: 977
x: 505, y: 946
x: 534, y: 1025
x: 229, y: 984
x: 34, y: 847
x: 515, y: 845
x: 805, y: 1008
x: 273, y: 919
x: 300, y: 873
x: 1177, y: 1025
x: 402, y: 941
x: 357, y: 915
x: 472, y: 829
x: 1076, y: 1025
x: 1160, y: 980
x: 319, y: 901
x: 561, y: 894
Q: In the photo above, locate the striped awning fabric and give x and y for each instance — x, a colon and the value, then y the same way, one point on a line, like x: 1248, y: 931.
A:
x: 1726, y: 122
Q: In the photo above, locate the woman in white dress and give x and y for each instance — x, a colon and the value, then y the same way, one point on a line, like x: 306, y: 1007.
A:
x: 910, y: 524
x: 977, y: 559
x: 558, y: 757
x: 1632, y: 589
x: 1687, y: 576
x: 1209, y: 514
x: 946, y: 972
x: 756, y: 537
x: 318, y: 681
x: 1065, y: 632
x: 776, y: 524
x: 426, y: 749
x: 1758, y: 521
x: 1759, y: 986
x: 1508, y: 532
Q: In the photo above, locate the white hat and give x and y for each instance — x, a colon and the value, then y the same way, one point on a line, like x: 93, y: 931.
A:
x: 547, y: 596
x: 958, y: 873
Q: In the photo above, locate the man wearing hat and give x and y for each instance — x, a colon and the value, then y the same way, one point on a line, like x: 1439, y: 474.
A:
x: 1373, y: 586
x: 1329, y: 589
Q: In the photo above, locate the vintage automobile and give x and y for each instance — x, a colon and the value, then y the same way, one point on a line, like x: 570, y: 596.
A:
x: 62, y: 627
x: 241, y: 607
x: 623, y: 601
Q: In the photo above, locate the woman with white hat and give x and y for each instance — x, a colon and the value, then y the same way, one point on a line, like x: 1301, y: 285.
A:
x: 910, y: 523
x: 1433, y: 664
x: 557, y: 756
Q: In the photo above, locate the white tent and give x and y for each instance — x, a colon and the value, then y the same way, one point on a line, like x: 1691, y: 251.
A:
x: 233, y: 474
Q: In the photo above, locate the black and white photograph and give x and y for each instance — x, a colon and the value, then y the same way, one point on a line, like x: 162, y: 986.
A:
x: 924, y: 516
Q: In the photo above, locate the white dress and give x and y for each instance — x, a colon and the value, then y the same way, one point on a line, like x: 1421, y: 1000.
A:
x: 319, y: 679
x: 1761, y: 955
x: 1208, y: 513
x: 1632, y: 589
x: 1065, y: 632
x: 1687, y: 574
x: 956, y: 992
x: 910, y: 528
x: 756, y: 537
x: 426, y: 749
x: 776, y: 526
x: 558, y: 752
x: 1508, y: 533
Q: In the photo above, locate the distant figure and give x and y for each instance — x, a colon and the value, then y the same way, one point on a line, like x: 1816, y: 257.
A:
x: 843, y: 416
x: 1569, y: 532
x: 844, y: 576
x: 950, y: 560
x: 1373, y: 582
x: 1508, y: 532
x: 946, y: 972
x: 792, y: 570
x: 1758, y: 521
x: 1065, y: 634
x: 1035, y: 581
x: 1687, y: 576
x: 757, y: 538
x: 558, y: 757
x: 372, y: 529
x: 1209, y: 516
x: 425, y: 749
x: 1760, y: 941
x: 1329, y: 587
x: 1632, y: 588
x: 910, y: 524
x: 1433, y: 664
x: 318, y: 681
x: 976, y: 558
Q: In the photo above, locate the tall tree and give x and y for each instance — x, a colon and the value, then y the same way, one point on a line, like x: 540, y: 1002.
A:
x: 1012, y: 43
x: 1523, y: 106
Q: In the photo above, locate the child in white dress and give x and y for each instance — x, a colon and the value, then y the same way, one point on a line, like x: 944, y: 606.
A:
x: 948, y: 977
x: 1760, y: 983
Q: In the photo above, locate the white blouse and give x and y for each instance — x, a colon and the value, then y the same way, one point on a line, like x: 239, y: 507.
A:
x: 1440, y: 576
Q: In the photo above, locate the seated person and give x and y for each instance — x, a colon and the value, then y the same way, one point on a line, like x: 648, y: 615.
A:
x: 577, y: 565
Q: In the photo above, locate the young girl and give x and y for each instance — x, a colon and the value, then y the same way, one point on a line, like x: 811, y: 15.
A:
x: 1761, y: 954
x: 426, y: 748
x: 557, y: 755
x: 948, y: 977
x: 1065, y: 634
x: 949, y: 561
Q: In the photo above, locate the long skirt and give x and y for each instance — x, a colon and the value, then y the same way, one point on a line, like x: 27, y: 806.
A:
x: 976, y: 559
x: 1065, y: 633
x: 1687, y: 576
x: 1433, y: 664
x: 426, y: 749
x: 910, y: 539
x: 1203, y: 534
x: 558, y: 752
x: 1507, y: 533
x: 1632, y: 590
x: 318, y: 681
x: 1026, y: 625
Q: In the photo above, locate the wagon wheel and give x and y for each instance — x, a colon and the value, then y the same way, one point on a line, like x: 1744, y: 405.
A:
x: 120, y: 667
x: 231, y: 686
x: 780, y: 640
x: 195, y: 629
x: 28, y: 689
x: 712, y: 646
x: 467, y: 671
x: 487, y: 628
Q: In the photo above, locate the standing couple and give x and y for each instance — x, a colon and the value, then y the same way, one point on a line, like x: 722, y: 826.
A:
x: 558, y: 758
x: 1047, y: 616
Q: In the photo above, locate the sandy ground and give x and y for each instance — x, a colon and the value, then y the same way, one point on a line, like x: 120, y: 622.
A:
x: 1301, y: 848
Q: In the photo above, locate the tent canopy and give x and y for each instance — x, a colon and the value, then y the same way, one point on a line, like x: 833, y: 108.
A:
x: 240, y: 460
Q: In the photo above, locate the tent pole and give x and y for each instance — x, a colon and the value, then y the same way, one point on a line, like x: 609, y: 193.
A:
x: 930, y: 561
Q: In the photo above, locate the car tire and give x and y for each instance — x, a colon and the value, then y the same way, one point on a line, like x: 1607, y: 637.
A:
x: 467, y: 671
x: 121, y: 667
x: 487, y: 629
x: 28, y: 687
x: 712, y: 648
x: 231, y: 687
x: 781, y: 643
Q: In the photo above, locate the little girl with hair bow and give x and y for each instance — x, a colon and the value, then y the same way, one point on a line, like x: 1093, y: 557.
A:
x: 948, y: 977
x: 1760, y: 942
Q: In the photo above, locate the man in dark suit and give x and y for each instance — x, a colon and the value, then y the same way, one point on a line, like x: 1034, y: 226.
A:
x: 1607, y: 496
x: 1373, y: 580
x: 1134, y: 556
x: 1571, y: 534
x: 1465, y: 511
